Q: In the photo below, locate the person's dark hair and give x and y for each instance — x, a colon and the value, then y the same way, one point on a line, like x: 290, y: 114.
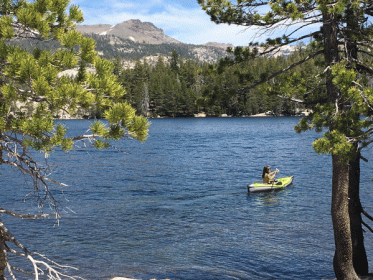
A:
x: 265, y: 170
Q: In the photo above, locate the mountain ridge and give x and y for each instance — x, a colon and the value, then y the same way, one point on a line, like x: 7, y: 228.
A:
x: 133, y: 39
x: 134, y: 30
x: 146, y: 33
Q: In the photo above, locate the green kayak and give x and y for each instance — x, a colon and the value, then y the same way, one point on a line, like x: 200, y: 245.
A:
x: 261, y: 187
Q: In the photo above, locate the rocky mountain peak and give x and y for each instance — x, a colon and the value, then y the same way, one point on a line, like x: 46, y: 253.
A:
x: 134, y: 29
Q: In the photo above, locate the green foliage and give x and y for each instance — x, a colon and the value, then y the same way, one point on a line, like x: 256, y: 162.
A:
x: 192, y: 87
x: 174, y: 63
x: 334, y: 142
x: 33, y: 89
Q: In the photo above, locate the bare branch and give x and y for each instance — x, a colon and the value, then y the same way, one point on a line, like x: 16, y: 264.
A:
x: 366, y: 214
x: 40, y: 267
x: 22, y: 271
x: 300, y: 101
x: 363, y: 96
x: 22, y: 216
x: 364, y: 67
x: 363, y: 158
x: 368, y: 227
x: 10, y: 271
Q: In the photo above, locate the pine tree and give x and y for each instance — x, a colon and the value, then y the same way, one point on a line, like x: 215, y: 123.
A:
x: 174, y: 63
x: 35, y: 87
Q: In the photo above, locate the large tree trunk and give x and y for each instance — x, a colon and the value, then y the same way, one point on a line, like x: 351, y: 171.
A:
x: 360, y: 261
x: 359, y: 255
x: 342, y: 263
x: 358, y: 250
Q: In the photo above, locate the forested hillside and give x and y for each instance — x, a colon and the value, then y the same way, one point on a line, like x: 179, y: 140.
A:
x: 183, y: 88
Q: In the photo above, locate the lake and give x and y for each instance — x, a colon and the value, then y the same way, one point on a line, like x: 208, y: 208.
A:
x: 177, y: 205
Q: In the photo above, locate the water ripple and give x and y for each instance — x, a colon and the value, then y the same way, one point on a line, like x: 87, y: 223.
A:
x: 177, y: 205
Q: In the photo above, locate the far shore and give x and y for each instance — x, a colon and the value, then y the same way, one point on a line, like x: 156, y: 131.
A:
x: 268, y: 114
x: 368, y: 277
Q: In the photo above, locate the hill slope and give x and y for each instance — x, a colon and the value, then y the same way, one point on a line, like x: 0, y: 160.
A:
x: 110, y: 47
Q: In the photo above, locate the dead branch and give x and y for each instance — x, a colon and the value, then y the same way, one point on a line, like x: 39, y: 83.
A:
x: 364, y: 52
x: 22, y: 216
x: 363, y: 96
x: 301, y: 101
x: 366, y: 214
x: 368, y: 227
x: 42, y: 266
x: 363, y: 158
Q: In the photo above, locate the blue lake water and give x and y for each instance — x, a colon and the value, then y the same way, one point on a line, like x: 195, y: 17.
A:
x: 177, y: 205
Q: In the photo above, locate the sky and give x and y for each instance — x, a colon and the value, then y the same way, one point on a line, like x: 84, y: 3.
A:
x: 183, y: 20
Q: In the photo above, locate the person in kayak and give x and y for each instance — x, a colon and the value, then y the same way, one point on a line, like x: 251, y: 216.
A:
x: 268, y: 176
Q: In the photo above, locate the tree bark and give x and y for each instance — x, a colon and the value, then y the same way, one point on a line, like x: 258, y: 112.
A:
x: 342, y: 262
x: 359, y: 255
x: 360, y: 260
x: 2, y: 257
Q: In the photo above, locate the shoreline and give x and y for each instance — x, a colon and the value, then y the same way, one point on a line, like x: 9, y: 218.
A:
x: 367, y: 277
x: 207, y: 117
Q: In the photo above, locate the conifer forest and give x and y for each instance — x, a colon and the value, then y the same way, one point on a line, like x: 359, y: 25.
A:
x: 179, y: 87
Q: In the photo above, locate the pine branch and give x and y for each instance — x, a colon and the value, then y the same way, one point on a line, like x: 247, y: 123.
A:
x: 278, y: 47
x: 283, y: 71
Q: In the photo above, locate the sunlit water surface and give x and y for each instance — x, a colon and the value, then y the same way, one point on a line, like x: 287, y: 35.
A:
x: 177, y: 205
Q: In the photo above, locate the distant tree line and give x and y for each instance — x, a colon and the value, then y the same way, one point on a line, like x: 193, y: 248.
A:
x: 179, y: 87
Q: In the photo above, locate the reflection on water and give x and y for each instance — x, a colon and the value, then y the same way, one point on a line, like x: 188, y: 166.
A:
x: 272, y: 198
x: 177, y: 205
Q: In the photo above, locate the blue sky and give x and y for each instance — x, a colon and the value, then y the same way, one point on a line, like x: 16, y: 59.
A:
x: 183, y: 20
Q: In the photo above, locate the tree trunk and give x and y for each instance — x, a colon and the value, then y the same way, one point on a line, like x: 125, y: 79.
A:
x: 360, y: 260
x: 359, y: 256
x: 342, y: 263
x: 2, y: 257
